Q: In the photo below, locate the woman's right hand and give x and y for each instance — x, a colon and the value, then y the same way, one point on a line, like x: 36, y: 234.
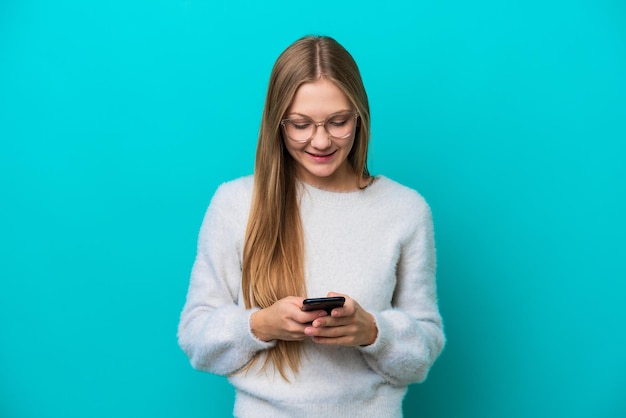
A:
x: 284, y: 320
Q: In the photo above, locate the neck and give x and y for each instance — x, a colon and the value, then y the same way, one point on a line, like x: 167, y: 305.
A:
x: 348, y: 183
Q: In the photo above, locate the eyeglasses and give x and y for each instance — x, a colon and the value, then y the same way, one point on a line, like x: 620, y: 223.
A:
x: 338, y: 126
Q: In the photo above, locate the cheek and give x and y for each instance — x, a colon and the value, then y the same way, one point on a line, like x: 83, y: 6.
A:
x: 349, y: 147
x: 291, y: 150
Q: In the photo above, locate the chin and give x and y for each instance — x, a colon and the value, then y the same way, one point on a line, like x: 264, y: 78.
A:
x: 322, y: 174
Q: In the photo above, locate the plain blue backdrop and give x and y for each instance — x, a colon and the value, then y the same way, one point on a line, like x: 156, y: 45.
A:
x: 119, y: 119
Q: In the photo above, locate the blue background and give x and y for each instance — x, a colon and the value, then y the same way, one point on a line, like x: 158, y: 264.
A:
x: 119, y: 119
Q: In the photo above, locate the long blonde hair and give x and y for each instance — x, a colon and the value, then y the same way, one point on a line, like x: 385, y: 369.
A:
x: 273, y: 255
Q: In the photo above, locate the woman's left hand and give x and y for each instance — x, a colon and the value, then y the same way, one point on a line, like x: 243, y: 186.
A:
x: 350, y: 325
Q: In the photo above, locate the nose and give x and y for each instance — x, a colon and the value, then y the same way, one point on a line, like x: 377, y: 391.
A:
x: 321, y: 139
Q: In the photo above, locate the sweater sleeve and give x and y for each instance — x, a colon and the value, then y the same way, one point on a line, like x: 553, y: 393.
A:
x: 214, y: 331
x: 410, y: 334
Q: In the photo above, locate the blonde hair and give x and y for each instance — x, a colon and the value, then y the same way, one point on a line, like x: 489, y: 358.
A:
x: 273, y: 265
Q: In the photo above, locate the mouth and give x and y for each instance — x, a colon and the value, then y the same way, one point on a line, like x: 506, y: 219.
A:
x: 321, y: 156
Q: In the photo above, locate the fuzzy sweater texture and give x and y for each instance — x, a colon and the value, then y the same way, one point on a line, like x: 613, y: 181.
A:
x: 375, y: 245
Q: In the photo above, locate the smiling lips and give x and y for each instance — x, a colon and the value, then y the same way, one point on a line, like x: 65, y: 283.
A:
x: 321, y: 158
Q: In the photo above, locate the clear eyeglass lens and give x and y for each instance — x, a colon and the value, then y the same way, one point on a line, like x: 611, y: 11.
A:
x: 302, y: 129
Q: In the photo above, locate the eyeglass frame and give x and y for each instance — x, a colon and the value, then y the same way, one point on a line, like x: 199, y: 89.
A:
x: 316, y: 124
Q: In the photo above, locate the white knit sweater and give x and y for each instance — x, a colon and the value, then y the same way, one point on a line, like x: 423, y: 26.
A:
x: 375, y: 245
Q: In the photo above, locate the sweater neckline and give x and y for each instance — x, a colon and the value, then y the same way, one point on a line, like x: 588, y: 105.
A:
x: 348, y: 198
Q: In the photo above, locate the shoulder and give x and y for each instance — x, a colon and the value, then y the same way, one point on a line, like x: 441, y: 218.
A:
x: 235, y: 188
x: 232, y: 198
x: 402, y: 197
x: 406, y: 211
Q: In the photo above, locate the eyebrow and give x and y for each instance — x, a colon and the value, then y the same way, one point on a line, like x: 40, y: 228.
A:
x: 339, y: 112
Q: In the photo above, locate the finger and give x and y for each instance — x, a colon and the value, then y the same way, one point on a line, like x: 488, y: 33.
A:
x: 345, y: 341
x: 295, y: 331
x: 339, y: 312
x: 347, y: 309
x: 313, y: 331
x: 342, y: 312
x: 329, y: 341
x: 331, y: 321
x: 308, y: 317
x: 331, y: 332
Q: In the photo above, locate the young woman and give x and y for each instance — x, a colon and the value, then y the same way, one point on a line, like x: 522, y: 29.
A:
x: 312, y: 222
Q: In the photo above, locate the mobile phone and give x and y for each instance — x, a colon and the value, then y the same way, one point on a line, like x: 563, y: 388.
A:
x: 326, y: 304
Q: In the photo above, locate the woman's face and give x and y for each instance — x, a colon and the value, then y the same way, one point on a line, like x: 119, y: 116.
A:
x: 322, y: 161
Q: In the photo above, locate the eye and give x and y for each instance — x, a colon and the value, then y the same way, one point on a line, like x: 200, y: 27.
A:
x: 338, y: 122
x: 300, y: 124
